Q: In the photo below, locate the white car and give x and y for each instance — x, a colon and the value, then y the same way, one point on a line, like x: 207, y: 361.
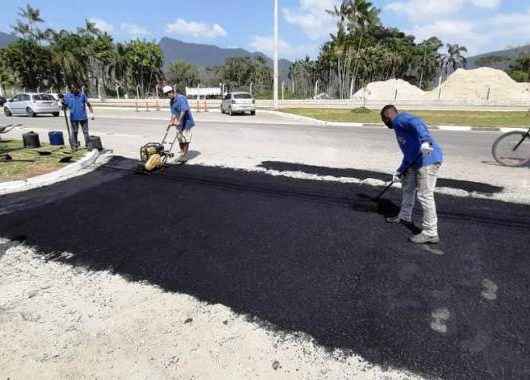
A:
x: 32, y: 105
x: 238, y: 102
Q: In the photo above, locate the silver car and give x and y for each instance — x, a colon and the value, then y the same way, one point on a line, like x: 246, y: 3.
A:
x: 32, y: 105
x: 238, y: 102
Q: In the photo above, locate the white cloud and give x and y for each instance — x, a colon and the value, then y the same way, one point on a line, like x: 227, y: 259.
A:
x: 450, y: 31
x: 479, y: 35
x: 311, y: 17
x: 135, y: 30
x: 434, y: 9
x: 102, y: 25
x: 487, y: 3
x: 196, y: 29
x: 264, y: 44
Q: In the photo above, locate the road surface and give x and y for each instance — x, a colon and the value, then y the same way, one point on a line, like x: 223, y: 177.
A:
x: 298, y: 253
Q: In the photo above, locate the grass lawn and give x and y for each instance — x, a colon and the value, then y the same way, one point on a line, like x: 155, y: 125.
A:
x: 15, y: 170
x: 434, y: 118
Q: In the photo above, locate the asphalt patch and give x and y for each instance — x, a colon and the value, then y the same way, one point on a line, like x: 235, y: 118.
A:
x: 295, y: 254
x: 323, y: 171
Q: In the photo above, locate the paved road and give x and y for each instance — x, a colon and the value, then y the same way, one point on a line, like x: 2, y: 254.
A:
x: 245, y: 142
x: 301, y: 254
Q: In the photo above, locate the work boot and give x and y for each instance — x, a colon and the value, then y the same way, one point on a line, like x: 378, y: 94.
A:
x: 422, y: 238
x: 397, y: 220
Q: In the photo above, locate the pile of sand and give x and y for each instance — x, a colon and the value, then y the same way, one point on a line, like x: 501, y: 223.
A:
x: 392, y: 89
x: 483, y: 84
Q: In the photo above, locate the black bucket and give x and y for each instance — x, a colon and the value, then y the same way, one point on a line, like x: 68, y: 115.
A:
x: 94, y: 143
x: 31, y: 140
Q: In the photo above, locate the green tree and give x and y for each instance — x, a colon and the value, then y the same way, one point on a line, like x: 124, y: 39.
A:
x: 355, y: 18
x: 145, y: 60
x: 454, y: 59
x: 70, y: 53
x: 29, y: 63
x: 428, y: 59
x: 26, y: 28
x: 520, y: 70
x: 183, y: 74
x: 6, y: 77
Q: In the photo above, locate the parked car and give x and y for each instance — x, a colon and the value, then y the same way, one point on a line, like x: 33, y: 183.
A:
x: 32, y: 105
x: 238, y: 102
x: 2, y: 101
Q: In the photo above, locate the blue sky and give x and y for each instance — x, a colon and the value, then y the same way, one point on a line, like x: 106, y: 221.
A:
x: 481, y: 25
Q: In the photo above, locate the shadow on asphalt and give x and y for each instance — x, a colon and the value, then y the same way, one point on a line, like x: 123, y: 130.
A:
x: 364, y: 174
x: 293, y: 253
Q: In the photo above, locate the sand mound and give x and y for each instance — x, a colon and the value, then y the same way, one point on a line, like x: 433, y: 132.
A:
x: 389, y: 90
x: 481, y: 84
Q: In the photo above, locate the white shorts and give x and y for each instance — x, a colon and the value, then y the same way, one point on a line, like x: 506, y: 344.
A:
x: 184, y: 136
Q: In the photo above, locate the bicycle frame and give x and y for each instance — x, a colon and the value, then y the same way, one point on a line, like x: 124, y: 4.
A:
x: 525, y: 136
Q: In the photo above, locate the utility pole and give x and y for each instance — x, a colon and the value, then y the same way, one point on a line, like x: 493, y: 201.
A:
x: 276, y: 68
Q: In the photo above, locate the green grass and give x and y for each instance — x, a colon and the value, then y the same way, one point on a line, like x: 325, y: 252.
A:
x: 14, y: 170
x: 465, y: 118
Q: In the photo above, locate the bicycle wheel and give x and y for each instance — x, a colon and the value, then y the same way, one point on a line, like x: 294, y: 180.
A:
x: 512, y: 149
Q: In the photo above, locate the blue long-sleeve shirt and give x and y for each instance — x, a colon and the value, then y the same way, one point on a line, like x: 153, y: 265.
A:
x: 179, y: 105
x: 411, y: 133
x: 77, y: 105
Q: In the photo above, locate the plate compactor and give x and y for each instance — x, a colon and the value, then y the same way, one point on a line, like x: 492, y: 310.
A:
x: 155, y: 156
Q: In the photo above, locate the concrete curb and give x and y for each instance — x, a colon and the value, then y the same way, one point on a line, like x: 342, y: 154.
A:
x: 80, y: 167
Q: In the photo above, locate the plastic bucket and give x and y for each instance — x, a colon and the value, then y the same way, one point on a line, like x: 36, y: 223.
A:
x: 56, y: 138
x: 31, y: 140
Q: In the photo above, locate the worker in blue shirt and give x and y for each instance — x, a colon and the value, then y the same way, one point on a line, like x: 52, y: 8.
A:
x: 77, y: 103
x: 181, y: 118
x: 418, y: 171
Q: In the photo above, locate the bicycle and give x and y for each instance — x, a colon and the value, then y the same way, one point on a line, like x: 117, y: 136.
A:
x: 512, y: 149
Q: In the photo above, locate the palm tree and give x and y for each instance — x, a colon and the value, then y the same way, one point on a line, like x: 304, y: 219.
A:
x: 32, y: 17
x: 430, y: 58
x: 355, y: 18
x: 454, y: 58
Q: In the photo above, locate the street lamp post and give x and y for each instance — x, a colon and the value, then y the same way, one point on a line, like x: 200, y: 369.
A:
x: 275, y: 43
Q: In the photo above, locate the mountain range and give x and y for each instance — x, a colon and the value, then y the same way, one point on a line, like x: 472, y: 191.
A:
x: 210, y: 55
x: 6, y: 39
x: 501, y: 59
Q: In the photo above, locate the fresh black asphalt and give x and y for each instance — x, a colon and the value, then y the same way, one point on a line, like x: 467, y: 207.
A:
x: 299, y: 256
x: 280, y: 166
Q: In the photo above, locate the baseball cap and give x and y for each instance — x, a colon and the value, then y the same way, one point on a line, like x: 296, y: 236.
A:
x: 167, y: 89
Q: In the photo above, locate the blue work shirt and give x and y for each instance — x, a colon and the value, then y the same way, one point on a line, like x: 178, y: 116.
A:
x: 180, y: 104
x: 77, y: 106
x: 411, y: 133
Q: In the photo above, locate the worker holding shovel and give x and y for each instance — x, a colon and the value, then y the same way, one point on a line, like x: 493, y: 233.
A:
x: 77, y: 103
x: 418, y: 171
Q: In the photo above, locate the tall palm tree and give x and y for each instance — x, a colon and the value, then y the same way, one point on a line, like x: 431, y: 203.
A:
x: 355, y: 18
x: 454, y: 58
x: 27, y: 27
